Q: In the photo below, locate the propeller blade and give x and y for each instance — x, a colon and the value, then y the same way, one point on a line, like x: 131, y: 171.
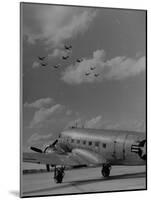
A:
x: 36, y: 149
x: 54, y: 143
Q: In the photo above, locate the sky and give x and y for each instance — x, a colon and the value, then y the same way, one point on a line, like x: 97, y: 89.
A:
x: 110, y: 41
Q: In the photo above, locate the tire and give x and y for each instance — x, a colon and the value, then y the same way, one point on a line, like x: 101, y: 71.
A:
x: 105, y: 172
x: 59, y: 179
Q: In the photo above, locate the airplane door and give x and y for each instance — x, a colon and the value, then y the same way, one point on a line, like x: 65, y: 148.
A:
x: 119, y: 145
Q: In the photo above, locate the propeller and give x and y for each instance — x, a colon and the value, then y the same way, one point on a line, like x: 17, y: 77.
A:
x: 45, y: 150
x: 36, y: 149
x: 140, y: 149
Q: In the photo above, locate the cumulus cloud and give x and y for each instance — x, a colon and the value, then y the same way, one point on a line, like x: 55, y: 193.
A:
x: 54, y: 24
x: 117, y: 68
x: 40, y: 103
x: 99, y: 122
x: 44, y: 114
x: 74, y: 123
x: 38, y: 138
x: 94, y: 122
x: 59, y: 53
x: 35, y: 65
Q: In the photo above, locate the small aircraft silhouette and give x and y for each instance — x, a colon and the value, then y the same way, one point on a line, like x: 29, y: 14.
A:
x: 92, y: 68
x: 43, y: 64
x: 87, y: 74
x: 96, y: 75
x: 56, y: 66
x: 65, y: 57
x: 68, y: 47
x: 79, y: 60
x: 41, y: 58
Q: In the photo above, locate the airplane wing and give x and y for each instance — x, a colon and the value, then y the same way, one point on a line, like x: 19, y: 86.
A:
x: 74, y: 158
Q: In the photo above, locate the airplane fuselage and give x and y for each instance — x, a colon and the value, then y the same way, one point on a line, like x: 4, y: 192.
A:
x: 117, y: 147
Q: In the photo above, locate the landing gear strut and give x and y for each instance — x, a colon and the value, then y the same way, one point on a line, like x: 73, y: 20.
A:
x: 106, y: 170
x: 59, y: 174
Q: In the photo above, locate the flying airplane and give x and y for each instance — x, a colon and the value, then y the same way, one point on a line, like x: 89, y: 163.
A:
x: 96, y: 75
x: 68, y: 47
x: 79, y: 60
x: 76, y: 147
x: 87, y: 74
x: 92, y: 68
x: 43, y: 64
x: 65, y: 57
x: 41, y: 58
x: 56, y: 66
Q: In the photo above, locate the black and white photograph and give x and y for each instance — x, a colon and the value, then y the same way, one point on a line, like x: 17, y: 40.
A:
x: 83, y: 99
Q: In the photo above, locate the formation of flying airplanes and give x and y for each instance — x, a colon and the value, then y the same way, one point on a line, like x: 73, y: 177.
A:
x: 76, y: 147
x: 68, y: 48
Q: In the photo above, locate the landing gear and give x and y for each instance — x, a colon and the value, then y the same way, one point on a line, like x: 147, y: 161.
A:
x: 106, y: 170
x: 59, y: 174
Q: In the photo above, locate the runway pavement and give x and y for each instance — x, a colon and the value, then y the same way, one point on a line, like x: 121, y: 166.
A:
x: 85, y: 180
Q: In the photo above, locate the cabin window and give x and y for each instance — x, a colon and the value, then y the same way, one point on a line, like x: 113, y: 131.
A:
x: 96, y: 144
x: 104, y: 145
x: 90, y: 143
x: 84, y: 142
x: 72, y: 140
x: 78, y: 141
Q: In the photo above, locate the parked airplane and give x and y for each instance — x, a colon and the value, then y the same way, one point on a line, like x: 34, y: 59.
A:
x: 91, y: 147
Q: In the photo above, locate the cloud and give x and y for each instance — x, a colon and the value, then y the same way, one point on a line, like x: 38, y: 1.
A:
x: 59, y: 53
x: 40, y: 103
x: 117, y: 68
x: 48, y: 113
x: 35, y: 65
x: 99, y: 122
x: 44, y: 114
x: 54, y: 24
x: 69, y: 112
x: 37, y: 138
x: 94, y: 122
x: 74, y: 123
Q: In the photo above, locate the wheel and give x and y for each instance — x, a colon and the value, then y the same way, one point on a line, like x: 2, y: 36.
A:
x: 59, y: 179
x: 105, y: 171
x: 59, y: 174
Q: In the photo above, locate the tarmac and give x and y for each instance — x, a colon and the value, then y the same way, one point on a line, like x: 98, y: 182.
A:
x: 85, y: 180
